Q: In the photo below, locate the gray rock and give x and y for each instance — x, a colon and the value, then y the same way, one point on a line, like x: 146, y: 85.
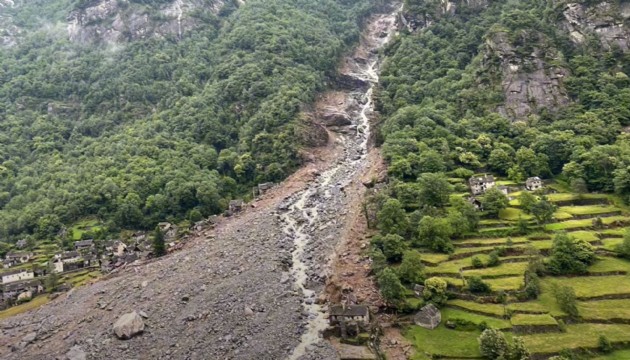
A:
x: 30, y: 337
x: 128, y: 326
x: 76, y: 353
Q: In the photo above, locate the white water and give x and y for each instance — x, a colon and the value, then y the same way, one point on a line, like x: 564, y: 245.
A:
x: 305, y: 209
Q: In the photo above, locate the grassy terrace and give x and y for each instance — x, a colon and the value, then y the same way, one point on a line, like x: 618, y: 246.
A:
x: 601, y: 293
x: 577, y: 336
x: 533, y: 320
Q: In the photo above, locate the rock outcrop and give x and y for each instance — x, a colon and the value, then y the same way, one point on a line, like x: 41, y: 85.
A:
x: 607, y: 20
x: 530, y: 82
x: 128, y: 326
x: 114, y: 21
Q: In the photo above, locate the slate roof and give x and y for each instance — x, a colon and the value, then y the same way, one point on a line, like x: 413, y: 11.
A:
x: 352, y: 310
x: 477, y: 180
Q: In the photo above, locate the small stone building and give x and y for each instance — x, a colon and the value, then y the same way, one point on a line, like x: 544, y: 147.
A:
x: 429, y: 317
x: 235, y: 206
x: 17, y: 275
x: 533, y: 183
x: 481, y: 184
x: 351, y: 313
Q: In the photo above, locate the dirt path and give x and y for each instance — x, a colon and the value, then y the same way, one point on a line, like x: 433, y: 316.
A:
x: 250, y: 288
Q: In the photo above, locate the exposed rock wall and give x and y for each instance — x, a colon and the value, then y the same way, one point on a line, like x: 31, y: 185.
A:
x: 529, y: 81
x: 416, y: 19
x: 608, y: 20
x: 113, y: 21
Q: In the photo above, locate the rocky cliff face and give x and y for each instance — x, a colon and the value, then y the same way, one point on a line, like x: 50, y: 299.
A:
x: 609, y: 21
x: 529, y: 80
x: 419, y: 18
x: 113, y: 21
x: 8, y: 31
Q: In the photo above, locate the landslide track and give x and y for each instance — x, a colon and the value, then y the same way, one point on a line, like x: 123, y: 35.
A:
x: 252, y: 288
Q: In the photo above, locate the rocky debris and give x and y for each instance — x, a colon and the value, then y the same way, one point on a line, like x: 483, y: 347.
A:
x: 232, y: 297
x: 336, y: 118
x: 128, y: 326
x: 76, y: 353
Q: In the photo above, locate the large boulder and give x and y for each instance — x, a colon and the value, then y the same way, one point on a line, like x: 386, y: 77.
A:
x: 128, y: 326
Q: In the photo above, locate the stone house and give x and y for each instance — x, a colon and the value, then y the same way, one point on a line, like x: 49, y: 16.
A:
x: 262, y: 188
x: 235, y: 206
x: 429, y: 317
x: 12, y: 291
x: 169, y: 230
x: 359, y: 314
x: 17, y: 275
x: 16, y: 258
x: 533, y: 183
x: 116, y: 248
x: 83, y: 245
x: 504, y: 190
x: 481, y: 184
x: 21, y: 244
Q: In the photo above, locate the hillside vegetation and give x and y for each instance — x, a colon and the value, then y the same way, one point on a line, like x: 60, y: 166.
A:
x: 162, y: 125
x: 516, y: 89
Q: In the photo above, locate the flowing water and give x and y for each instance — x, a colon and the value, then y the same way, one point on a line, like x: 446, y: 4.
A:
x: 319, y: 205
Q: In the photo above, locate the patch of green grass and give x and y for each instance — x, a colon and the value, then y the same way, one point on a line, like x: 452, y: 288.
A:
x: 33, y: 304
x: 82, y: 226
x: 527, y: 306
x: 591, y: 286
x: 434, y: 258
x: 453, y: 266
x: 576, y: 336
x: 611, y: 244
x: 513, y: 214
x: 571, y: 224
x: 491, y: 309
x: 560, y: 216
x: 606, y: 264
x: 532, y: 320
x: 452, y: 313
x: 617, y: 232
x: 492, y: 241
x: 604, y: 309
x: 506, y: 284
x: 445, y: 342
x: 570, y: 196
x: 616, y: 355
x: 517, y: 268
x: 589, y: 236
x: 588, y: 210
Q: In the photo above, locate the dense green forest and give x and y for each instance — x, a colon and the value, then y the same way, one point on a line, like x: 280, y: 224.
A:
x: 441, y: 95
x: 159, y: 128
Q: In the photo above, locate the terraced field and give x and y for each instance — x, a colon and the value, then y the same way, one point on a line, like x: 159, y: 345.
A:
x: 603, y: 292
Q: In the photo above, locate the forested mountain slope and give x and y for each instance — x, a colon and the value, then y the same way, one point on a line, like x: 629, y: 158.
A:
x: 520, y: 88
x: 138, y: 111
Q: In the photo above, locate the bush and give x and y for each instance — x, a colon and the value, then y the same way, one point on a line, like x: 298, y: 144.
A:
x: 494, y: 259
x: 477, y: 263
x: 532, y: 287
x: 570, y: 256
x: 477, y: 286
x: 604, y: 345
x: 390, y: 286
x: 562, y: 326
x: 493, y: 345
x: 565, y: 296
x: 435, y: 290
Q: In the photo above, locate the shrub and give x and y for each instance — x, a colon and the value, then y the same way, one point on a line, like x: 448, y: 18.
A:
x: 477, y: 286
x: 570, y: 256
x: 494, y: 259
x: 390, y: 286
x: 624, y: 248
x: 604, y: 345
x: 477, y: 263
x: 532, y: 287
x: 562, y: 326
x: 493, y: 345
x: 565, y: 296
x: 435, y: 290
x: 411, y: 270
